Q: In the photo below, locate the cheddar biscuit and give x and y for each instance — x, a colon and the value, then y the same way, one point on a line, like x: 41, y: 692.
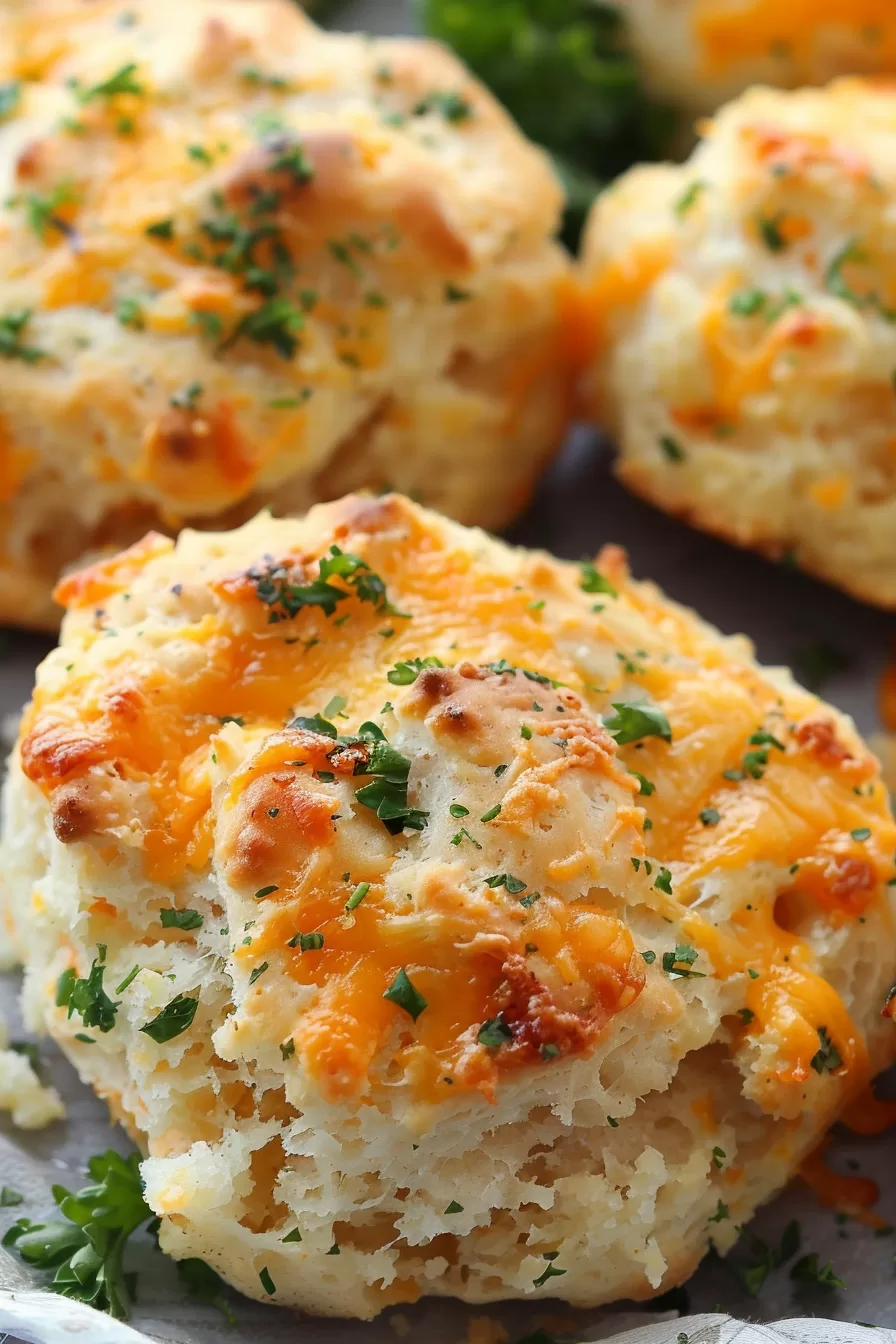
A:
x: 743, y: 308
x: 699, y: 53
x: 244, y: 261
x: 458, y: 920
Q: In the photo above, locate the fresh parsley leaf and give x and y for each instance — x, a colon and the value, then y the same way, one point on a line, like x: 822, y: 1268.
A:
x: 12, y: 346
x: 680, y: 962
x: 86, y: 1250
x: 808, y: 1269
x: 122, y: 81
x: 201, y: 1282
x: 174, y: 1019
x: 769, y: 227
x: 275, y: 588
x: 278, y: 322
x: 592, y: 581
x: 356, y: 897
x: 180, y: 919
x: 86, y: 996
x: 827, y: 1056
x: 633, y: 722
x: 671, y: 448
x: 688, y: 198
x: 402, y: 992
x: 494, y: 1032
x: 564, y: 71
x: 10, y: 97
x: 512, y: 884
x: 403, y: 674
x: 387, y: 794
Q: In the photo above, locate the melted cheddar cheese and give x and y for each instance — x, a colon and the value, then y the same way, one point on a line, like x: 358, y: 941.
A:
x: 534, y: 862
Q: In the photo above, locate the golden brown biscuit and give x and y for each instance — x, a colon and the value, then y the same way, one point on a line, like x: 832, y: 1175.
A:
x: 744, y: 322
x: 487, y: 918
x: 700, y: 53
x: 245, y: 261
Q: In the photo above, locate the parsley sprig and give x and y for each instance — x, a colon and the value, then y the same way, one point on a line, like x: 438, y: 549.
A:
x: 274, y: 587
x: 12, y: 330
x: 86, y: 995
x: 85, y: 1247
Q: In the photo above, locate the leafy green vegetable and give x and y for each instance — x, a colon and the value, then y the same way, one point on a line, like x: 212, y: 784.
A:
x: 592, y: 581
x: 10, y: 96
x: 180, y: 919
x: 387, y: 794
x: 633, y: 722
x: 402, y: 992
x: 12, y: 328
x: 767, y: 1258
x: 808, y: 1269
x: 403, y: 674
x: 562, y: 69
x: 494, y: 1032
x: 202, y: 1283
x: 86, y: 995
x: 827, y: 1057
x: 122, y: 81
x: 86, y: 1250
x: 275, y: 588
x: 173, y: 1020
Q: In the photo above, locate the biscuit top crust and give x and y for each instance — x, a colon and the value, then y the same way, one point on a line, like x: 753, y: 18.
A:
x: 441, y: 784
x: 730, y: 33
x: 216, y: 184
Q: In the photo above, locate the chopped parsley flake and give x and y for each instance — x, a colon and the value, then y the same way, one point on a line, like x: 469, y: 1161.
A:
x: 495, y: 1032
x: 180, y: 919
x: 266, y: 891
x: 122, y: 81
x: 257, y: 972
x: 632, y: 722
x: 356, y: 897
x: 710, y: 816
x: 551, y: 1272
x: 688, y: 198
x: 769, y: 227
x: 827, y: 1057
x: 267, y: 1282
x: 680, y: 962
x: 10, y: 96
x: 12, y: 327
x: 174, y: 1019
x: 454, y: 1207
x: 452, y: 106
x: 491, y: 813
x: 274, y: 588
x: 746, y: 302
x: 592, y: 581
x: 404, y: 674
x: 86, y: 996
x: 402, y: 992
x: 861, y: 833
x: 512, y: 884
x: 671, y: 448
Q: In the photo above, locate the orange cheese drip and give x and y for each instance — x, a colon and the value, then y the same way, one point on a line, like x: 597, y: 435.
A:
x: 853, y: 1195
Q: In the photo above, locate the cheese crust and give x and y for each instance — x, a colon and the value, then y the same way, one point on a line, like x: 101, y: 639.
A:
x: 700, y: 53
x: 489, y: 915
x: 743, y: 318
x: 244, y: 261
